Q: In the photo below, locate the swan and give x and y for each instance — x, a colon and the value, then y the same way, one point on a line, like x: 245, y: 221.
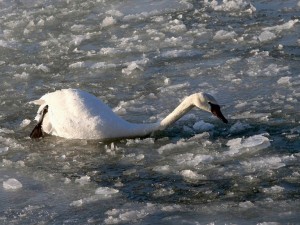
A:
x: 76, y: 114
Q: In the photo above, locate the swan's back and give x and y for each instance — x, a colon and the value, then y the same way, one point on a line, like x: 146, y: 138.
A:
x: 79, y: 115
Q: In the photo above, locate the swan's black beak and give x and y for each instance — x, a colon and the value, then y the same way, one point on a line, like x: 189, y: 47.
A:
x: 216, y: 110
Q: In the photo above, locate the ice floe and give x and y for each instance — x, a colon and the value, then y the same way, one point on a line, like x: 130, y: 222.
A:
x: 12, y: 184
x: 251, y: 144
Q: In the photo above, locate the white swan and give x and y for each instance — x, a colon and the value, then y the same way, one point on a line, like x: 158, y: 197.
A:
x: 76, y: 114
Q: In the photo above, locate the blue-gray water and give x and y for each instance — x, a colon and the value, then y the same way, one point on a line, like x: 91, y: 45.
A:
x: 142, y: 57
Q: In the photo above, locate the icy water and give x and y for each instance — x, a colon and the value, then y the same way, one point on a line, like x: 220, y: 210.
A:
x: 142, y: 57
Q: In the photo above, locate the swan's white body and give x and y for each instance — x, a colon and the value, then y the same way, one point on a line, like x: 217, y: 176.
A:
x: 75, y: 114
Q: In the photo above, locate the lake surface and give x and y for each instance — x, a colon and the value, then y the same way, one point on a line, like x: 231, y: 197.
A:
x: 142, y: 57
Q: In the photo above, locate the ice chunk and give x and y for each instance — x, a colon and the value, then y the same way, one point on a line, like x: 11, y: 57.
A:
x: 43, y: 68
x: 23, y: 75
x: 106, y: 191
x: 163, y: 192
x: 162, y: 169
x: 131, y: 67
x: 171, y: 146
x: 3, y: 149
x: 129, y: 215
x: 266, y: 36
x: 264, y: 163
x: 77, y: 203
x: 83, y: 180
x: 6, y: 131
x: 25, y: 123
x: 77, y: 65
x: 246, y: 204
x: 190, y: 159
x: 284, y: 81
x: 202, y: 126
x: 273, y: 190
x: 231, y: 5
x: 108, y: 21
x: 223, y: 35
x: 191, y: 175
x: 12, y: 184
x: 253, y: 143
x: 286, y: 26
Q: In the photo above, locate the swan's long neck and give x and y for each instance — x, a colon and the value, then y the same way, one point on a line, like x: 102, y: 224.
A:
x: 186, y: 105
x: 135, y: 130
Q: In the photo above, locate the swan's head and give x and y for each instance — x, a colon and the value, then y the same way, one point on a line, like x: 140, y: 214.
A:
x: 208, y: 103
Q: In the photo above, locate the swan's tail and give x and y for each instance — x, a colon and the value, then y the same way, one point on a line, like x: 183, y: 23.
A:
x: 38, y: 102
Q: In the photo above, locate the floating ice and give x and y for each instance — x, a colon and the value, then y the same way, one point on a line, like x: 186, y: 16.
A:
x: 273, y: 190
x: 6, y: 131
x: 190, y: 175
x: 223, y: 35
x: 129, y: 215
x: 231, y: 5
x: 273, y: 162
x: 131, y: 67
x: 250, y: 144
x: 202, y: 126
x: 171, y: 146
x: 108, y: 21
x: 12, y: 184
x: 77, y: 65
x: 190, y: 159
x: 106, y: 191
x: 163, y: 192
x: 266, y: 36
x: 25, y: 123
x: 162, y: 169
x: 100, y: 193
x: 286, y: 26
x: 23, y: 75
x: 3, y: 149
x: 284, y: 81
x: 246, y: 204
x: 83, y: 180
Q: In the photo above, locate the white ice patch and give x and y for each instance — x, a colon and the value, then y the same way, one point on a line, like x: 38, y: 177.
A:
x: 12, y: 184
x: 273, y: 190
x: 108, y: 21
x: 190, y: 175
x: 273, y: 162
x: 25, y: 123
x: 279, y: 28
x: 190, y: 159
x: 134, y: 65
x: 83, y: 180
x: 171, y: 146
x: 22, y: 76
x: 162, y: 169
x: 251, y: 144
x: 6, y: 131
x: 284, y: 81
x: 3, y: 149
x: 223, y: 35
x: 106, y: 191
x: 129, y: 215
x: 100, y: 194
x: 266, y: 36
x: 231, y: 6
